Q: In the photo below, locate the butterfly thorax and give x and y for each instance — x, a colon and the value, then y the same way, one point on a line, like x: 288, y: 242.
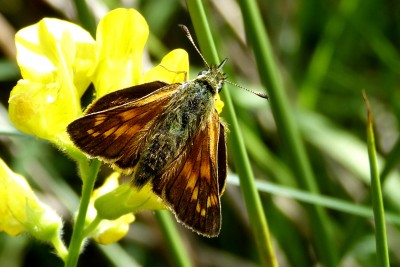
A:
x: 213, y: 78
x: 192, y: 107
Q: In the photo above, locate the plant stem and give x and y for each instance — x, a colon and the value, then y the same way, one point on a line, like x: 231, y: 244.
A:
x: 85, y: 16
x: 252, y: 199
x: 60, y: 248
x: 172, y: 237
x: 284, y: 118
x: 88, y: 172
x: 89, y: 229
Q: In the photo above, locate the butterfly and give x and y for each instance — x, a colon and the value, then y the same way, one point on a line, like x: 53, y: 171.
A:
x: 168, y: 135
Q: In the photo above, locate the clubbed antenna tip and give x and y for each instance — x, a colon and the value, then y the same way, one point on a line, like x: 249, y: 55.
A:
x: 189, y: 36
x: 262, y: 95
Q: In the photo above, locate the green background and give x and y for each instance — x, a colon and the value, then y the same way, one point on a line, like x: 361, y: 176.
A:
x: 326, y: 52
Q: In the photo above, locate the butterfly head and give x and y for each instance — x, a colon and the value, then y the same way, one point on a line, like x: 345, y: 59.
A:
x: 214, y: 77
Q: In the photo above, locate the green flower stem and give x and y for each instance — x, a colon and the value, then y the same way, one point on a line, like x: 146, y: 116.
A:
x: 172, y: 236
x: 89, y: 229
x: 88, y: 172
x: 69, y: 148
x: 61, y: 249
x: 252, y: 199
x: 284, y: 118
x: 377, y: 200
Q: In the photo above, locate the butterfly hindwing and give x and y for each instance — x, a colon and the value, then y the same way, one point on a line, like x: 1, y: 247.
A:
x: 222, y: 159
x: 190, y: 185
x: 117, y: 134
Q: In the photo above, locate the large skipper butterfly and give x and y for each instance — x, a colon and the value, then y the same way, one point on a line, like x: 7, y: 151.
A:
x: 168, y: 135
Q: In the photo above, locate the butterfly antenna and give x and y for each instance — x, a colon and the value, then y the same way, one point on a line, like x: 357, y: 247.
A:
x: 248, y: 90
x: 189, y: 36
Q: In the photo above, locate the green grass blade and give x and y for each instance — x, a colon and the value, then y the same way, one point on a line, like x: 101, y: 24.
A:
x: 173, y: 239
x: 250, y: 194
x: 323, y: 55
x: 86, y: 18
x: 271, y: 79
x: 8, y: 70
x: 377, y: 200
x: 320, y: 200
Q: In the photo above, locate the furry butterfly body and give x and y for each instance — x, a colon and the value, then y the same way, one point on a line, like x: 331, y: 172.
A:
x: 169, y: 135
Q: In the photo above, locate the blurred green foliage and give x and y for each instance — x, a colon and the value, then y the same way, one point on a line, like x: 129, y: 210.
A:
x: 327, y: 52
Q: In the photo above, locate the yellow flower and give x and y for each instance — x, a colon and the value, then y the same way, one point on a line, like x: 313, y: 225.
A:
x: 120, y: 39
x: 109, y: 232
x: 116, y: 209
x: 219, y: 104
x: 125, y: 199
x: 21, y: 211
x: 58, y: 61
x: 56, y: 58
x: 174, y: 68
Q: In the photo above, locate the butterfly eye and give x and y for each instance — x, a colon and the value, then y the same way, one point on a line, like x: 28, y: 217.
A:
x: 203, y: 72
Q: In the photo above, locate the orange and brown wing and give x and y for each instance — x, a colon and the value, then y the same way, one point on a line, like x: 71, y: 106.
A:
x: 191, y: 183
x: 117, y: 134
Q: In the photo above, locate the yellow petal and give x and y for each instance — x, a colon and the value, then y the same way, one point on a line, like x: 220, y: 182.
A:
x: 44, y: 47
x: 108, y: 231
x: 121, y: 36
x: 20, y: 209
x: 56, y: 59
x: 116, y: 208
x: 219, y: 104
x: 40, y: 109
x: 174, y: 68
x: 112, y: 231
x: 12, y: 214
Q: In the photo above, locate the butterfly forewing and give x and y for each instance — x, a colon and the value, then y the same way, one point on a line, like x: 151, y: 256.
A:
x: 190, y: 184
x: 124, y: 96
x: 118, y: 133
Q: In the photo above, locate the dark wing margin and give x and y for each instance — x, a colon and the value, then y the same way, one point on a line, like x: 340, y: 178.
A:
x: 117, y: 134
x: 123, y: 96
x: 222, y: 159
x: 190, y: 184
